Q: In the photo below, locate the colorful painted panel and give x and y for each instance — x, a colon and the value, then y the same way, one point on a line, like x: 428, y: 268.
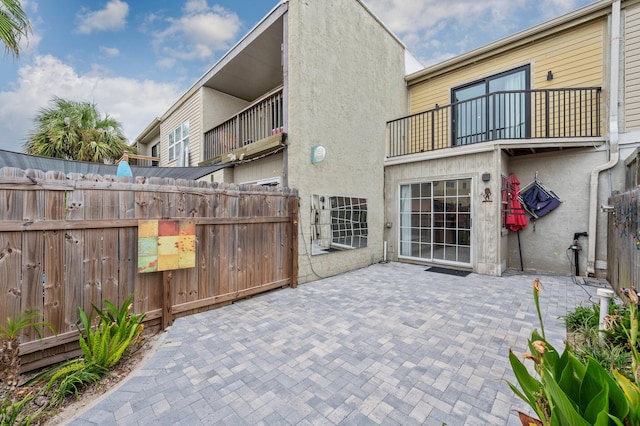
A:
x: 165, y: 245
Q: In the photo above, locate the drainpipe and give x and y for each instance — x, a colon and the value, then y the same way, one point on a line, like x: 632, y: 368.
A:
x: 614, y: 150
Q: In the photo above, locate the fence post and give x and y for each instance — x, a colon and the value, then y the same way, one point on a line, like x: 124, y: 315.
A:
x: 167, y: 300
x: 293, y: 208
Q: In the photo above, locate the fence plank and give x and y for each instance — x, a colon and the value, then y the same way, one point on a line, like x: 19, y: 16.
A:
x: 92, y: 284
x: 70, y: 241
x: 74, y: 260
x: 127, y: 239
x: 109, y: 258
x: 53, y: 309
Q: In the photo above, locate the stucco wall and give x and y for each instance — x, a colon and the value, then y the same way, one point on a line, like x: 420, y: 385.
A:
x: 486, y: 257
x: 217, y: 107
x: 567, y: 173
x: 345, y: 80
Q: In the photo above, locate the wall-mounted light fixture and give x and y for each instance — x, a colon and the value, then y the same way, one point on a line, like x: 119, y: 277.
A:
x: 486, y: 177
x: 318, y: 154
x: 549, y: 76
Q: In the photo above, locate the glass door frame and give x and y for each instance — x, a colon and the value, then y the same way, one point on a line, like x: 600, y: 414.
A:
x: 417, y: 222
x: 484, y: 104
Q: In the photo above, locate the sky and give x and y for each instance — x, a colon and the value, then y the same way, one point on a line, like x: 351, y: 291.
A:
x: 134, y: 58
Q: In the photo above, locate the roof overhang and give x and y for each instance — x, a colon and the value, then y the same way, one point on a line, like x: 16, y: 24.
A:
x: 513, y: 147
x: 150, y: 133
x: 252, y: 67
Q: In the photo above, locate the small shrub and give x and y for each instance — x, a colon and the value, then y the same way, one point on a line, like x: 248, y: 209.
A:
x: 583, y: 317
x: 116, y: 330
x: 14, y: 412
x: 102, y: 347
x: 69, y: 377
x: 609, y: 356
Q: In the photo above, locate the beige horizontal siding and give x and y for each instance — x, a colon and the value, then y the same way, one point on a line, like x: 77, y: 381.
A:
x: 189, y: 110
x: 632, y: 69
x: 576, y: 58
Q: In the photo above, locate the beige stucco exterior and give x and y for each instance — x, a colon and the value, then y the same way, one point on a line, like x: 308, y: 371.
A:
x: 342, y: 77
x: 576, y: 51
x: 217, y: 107
x: 345, y: 81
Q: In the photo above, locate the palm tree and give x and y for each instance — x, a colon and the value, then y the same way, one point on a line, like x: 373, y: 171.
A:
x: 10, y: 347
x: 13, y: 25
x: 76, y: 131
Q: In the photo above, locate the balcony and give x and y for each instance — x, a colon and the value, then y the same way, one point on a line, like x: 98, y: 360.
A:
x: 254, y: 130
x: 514, y: 115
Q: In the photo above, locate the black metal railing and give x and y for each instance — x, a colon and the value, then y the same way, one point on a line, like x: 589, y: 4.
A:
x: 517, y: 114
x: 258, y: 121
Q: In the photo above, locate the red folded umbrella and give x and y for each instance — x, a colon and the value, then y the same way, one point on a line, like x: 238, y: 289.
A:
x: 516, y: 215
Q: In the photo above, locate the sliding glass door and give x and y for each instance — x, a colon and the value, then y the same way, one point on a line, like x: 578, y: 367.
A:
x: 492, y: 108
x: 435, y: 221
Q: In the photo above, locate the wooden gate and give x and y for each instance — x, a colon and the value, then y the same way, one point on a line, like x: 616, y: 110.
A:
x: 623, y: 245
x: 70, y: 241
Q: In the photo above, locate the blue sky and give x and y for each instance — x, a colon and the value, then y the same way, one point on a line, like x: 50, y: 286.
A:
x: 134, y: 58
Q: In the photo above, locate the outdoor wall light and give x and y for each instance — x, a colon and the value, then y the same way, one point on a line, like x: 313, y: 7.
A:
x: 549, y: 76
x: 486, y: 177
x: 318, y: 154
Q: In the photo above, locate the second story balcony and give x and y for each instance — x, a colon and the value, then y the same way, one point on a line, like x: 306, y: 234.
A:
x: 507, y: 115
x: 249, y: 131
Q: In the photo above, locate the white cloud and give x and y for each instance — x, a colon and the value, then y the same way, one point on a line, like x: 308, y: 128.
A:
x: 196, y: 6
x: 553, y: 8
x: 111, y: 18
x: 110, y: 51
x: 419, y: 21
x: 132, y: 102
x: 436, y: 29
x: 197, y: 34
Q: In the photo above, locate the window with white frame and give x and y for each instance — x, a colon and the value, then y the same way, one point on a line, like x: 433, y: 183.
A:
x: 178, y: 140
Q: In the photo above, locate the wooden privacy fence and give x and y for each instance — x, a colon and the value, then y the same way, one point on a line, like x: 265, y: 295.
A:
x: 70, y: 241
x: 623, y: 246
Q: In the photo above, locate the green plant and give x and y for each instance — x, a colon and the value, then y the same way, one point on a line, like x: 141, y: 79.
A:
x: 69, y: 377
x: 583, y: 317
x: 609, y: 356
x: 566, y: 391
x: 10, y: 347
x: 631, y: 387
x: 105, y: 343
x: 13, y: 412
x: 102, y: 347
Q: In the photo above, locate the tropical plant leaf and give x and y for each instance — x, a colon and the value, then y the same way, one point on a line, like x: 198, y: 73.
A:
x: 571, y: 376
x: 562, y: 408
x: 529, y: 384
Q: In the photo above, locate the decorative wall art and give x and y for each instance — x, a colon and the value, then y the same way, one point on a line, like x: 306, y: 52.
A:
x: 165, y: 245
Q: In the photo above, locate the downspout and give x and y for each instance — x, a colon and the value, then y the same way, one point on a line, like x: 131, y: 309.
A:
x: 614, y: 150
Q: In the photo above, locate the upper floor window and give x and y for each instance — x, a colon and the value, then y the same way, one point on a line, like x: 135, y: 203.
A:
x: 492, y: 108
x: 155, y: 152
x: 178, y: 140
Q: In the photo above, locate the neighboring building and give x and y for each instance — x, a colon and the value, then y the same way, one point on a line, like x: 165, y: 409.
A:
x: 312, y: 79
x: 537, y: 103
